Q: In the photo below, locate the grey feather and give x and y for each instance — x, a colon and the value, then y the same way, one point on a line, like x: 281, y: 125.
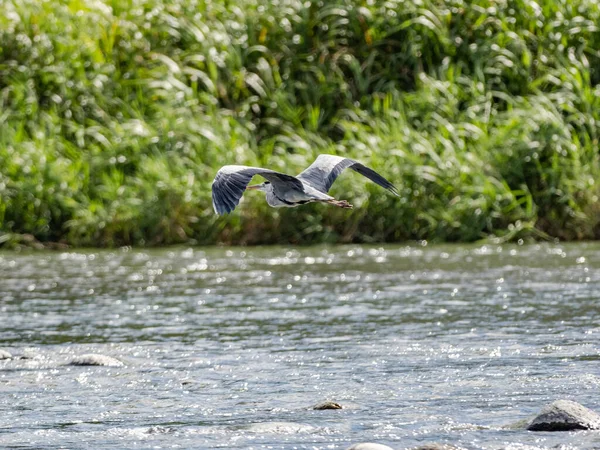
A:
x: 231, y: 182
x: 322, y: 173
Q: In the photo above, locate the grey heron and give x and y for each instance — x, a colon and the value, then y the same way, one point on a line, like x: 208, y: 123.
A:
x: 283, y: 190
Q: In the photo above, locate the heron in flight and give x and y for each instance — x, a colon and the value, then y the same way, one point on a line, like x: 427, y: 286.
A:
x: 284, y: 190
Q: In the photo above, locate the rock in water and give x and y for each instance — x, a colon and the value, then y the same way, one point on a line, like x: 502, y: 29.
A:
x: 95, y: 360
x: 369, y: 446
x: 565, y: 415
x: 5, y: 355
x: 327, y: 405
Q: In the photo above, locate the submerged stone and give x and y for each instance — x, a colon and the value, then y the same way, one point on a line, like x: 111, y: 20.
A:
x: 369, y: 446
x: 160, y: 430
x: 565, y: 415
x: 327, y: 405
x: 5, y: 355
x: 95, y: 360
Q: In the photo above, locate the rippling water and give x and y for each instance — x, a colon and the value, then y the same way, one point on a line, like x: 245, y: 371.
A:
x: 230, y: 348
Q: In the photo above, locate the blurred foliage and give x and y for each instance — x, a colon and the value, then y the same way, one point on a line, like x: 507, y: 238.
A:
x: 116, y: 114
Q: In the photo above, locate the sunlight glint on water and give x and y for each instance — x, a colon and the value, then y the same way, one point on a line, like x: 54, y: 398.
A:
x: 229, y: 348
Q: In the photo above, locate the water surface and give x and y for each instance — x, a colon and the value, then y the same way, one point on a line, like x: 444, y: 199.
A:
x: 230, y: 347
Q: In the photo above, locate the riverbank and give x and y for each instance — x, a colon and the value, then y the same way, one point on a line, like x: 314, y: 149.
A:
x: 116, y: 118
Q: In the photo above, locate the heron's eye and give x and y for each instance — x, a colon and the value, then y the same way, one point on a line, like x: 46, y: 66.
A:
x: 267, y: 182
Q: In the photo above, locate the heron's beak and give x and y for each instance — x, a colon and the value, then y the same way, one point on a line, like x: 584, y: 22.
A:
x: 256, y: 186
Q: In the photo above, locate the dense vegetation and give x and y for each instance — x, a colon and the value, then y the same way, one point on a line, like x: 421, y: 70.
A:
x: 116, y: 114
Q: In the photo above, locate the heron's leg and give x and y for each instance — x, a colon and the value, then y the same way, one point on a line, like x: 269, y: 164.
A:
x: 339, y: 203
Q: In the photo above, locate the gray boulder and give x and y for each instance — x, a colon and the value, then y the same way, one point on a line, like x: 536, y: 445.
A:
x: 369, y: 446
x: 95, y: 360
x: 565, y: 415
x: 327, y: 405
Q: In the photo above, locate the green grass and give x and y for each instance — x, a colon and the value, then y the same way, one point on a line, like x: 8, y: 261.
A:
x: 115, y: 116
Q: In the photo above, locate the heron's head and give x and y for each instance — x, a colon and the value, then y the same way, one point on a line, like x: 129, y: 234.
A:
x: 260, y: 187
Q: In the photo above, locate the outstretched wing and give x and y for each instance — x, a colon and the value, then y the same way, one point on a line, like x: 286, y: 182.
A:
x: 326, y: 168
x: 231, y: 182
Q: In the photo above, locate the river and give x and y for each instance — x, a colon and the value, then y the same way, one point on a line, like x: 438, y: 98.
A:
x: 231, y: 347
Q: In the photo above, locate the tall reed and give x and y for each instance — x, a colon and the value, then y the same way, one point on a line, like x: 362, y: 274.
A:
x: 115, y: 116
